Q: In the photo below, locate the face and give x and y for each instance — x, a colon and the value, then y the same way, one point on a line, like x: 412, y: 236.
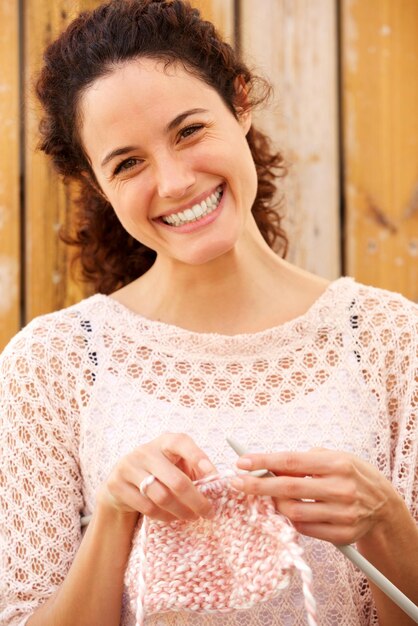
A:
x: 171, y: 159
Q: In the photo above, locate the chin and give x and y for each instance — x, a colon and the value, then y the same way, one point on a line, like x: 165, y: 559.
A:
x: 211, y: 253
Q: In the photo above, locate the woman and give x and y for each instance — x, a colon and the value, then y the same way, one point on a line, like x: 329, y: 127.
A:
x: 199, y: 331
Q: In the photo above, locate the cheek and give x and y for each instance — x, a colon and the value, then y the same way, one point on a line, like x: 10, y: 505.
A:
x: 131, y: 201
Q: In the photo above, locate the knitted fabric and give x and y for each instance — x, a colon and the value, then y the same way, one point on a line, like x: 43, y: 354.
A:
x: 243, y: 556
x: 82, y: 387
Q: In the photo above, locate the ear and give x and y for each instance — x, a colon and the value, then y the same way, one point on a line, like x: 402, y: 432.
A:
x: 242, y: 104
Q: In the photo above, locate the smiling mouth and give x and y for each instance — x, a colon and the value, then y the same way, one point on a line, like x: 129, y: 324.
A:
x: 197, y: 211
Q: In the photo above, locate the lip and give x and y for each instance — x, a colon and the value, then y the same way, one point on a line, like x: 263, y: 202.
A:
x: 200, y: 223
x: 189, y: 205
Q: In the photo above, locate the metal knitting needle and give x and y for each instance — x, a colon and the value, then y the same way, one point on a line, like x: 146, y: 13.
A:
x: 354, y: 556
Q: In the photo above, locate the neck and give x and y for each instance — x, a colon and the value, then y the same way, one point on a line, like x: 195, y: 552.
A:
x: 246, y: 290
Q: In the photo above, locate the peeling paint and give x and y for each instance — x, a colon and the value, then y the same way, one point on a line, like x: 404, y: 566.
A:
x: 8, y: 283
x: 372, y: 246
x: 413, y: 247
x: 385, y: 30
x: 56, y: 278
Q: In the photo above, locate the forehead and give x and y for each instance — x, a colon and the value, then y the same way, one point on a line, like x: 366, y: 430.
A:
x: 144, y: 86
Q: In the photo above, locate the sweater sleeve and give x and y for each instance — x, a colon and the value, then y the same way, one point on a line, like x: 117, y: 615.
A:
x: 402, y: 390
x: 386, y: 327
x: 40, y: 484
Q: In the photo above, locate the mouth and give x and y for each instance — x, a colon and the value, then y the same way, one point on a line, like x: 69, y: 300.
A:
x: 196, y: 212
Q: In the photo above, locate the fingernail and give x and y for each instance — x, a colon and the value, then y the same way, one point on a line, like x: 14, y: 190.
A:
x: 244, y: 462
x: 238, y: 483
x: 210, y: 514
x: 206, y: 466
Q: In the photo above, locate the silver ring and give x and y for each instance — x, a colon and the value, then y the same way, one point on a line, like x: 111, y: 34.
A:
x: 145, y: 483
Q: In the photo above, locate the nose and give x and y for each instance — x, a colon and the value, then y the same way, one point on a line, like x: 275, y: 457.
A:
x: 174, y: 176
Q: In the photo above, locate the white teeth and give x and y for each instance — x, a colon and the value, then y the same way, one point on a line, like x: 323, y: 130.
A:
x: 196, y: 212
x: 189, y: 215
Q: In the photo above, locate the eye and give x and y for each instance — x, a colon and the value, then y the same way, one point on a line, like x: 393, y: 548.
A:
x: 125, y: 165
x: 190, y: 130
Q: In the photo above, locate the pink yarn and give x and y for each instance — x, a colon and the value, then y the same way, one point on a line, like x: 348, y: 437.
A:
x: 244, y: 555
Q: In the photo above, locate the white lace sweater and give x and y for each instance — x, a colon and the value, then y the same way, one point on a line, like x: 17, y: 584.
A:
x: 81, y: 387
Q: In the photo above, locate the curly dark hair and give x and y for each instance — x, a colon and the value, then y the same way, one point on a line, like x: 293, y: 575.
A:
x: 90, y: 48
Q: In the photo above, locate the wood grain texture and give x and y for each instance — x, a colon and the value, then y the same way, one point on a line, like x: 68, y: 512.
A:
x: 294, y: 44
x: 220, y: 13
x: 380, y: 98
x: 49, y: 284
x: 9, y: 173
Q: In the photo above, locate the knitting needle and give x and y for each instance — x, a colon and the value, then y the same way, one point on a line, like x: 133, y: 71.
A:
x: 354, y: 556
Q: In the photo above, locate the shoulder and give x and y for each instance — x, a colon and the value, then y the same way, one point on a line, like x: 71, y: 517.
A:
x: 372, y: 305
x: 383, y: 325
x: 378, y: 307
x: 49, y: 336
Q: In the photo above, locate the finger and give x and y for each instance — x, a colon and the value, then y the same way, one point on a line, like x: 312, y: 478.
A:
x: 132, y: 499
x: 313, y: 462
x: 182, y: 489
x: 323, y: 488
x: 175, y: 447
x: 286, y: 487
x: 174, y: 485
x: 320, y: 513
x: 179, y: 447
x: 338, y: 535
x: 165, y: 501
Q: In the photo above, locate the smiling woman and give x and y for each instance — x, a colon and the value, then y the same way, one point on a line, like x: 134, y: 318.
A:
x: 117, y: 409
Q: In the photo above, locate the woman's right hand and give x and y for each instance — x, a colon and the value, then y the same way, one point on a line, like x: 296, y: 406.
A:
x: 175, y: 461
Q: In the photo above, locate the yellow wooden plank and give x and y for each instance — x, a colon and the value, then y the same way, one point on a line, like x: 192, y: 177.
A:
x: 380, y: 97
x: 49, y: 284
x: 9, y: 173
x: 294, y: 44
x: 220, y: 13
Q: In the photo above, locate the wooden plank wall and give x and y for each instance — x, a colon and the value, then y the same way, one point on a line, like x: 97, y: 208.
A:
x: 367, y: 131
x: 9, y: 172
x: 380, y: 108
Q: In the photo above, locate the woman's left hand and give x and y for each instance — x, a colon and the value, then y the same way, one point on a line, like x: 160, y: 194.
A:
x: 326, y: 494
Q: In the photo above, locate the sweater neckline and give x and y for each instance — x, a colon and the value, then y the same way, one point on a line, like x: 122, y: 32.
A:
x: 323, y: 313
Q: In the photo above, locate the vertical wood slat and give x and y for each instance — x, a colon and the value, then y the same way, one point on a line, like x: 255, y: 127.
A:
x: 294, y: 44
x: 380, y: 98
x: 9, y: 172
x: 220, y: 13
x: 49, y: 284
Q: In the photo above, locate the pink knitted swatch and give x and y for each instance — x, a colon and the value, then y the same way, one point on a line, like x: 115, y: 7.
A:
x: 244, y: 555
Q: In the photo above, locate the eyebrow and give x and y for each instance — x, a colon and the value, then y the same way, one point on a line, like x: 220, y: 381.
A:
x: 170, y: 126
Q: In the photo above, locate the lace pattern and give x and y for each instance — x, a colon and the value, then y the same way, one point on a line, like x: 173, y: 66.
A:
x: 83, y: 386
